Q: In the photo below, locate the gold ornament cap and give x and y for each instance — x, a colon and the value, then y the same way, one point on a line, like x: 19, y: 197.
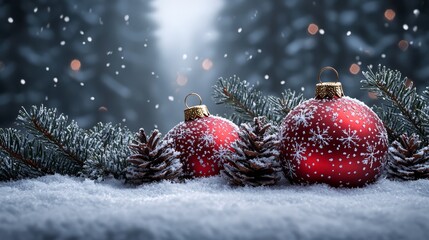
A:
x: 329, y: 90
x: 197, y: 111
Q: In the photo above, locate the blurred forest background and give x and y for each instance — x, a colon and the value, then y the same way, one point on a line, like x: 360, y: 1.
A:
x: 135, y: 61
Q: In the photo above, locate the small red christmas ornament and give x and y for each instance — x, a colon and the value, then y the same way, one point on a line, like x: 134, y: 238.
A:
x: 333, y: 139
x: 202, y: 140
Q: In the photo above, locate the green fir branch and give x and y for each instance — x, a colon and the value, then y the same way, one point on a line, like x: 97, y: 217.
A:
x: 109, y: 157
x: 20, y: 156
x: 286, y: 103
x: 52, y: 144
x: 394, y: 128
x: 9, y: 170
x: 402, y: 105
x: 55, y: 131
x: 25, y: 157
x: 425, y: 113
x: 248, y: 102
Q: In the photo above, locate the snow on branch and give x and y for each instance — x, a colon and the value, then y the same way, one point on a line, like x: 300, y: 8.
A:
x: 109, y: 158
x: 51, y: 144
x: 55, y: 131
x: 403, y: 110
x: 284, y: 104
x: 16, y: 161
x: 248, y: 102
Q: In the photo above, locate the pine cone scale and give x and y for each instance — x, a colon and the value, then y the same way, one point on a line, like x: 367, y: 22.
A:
x: 408, y: 160
x: 152, y: 160
x: 252, y: 161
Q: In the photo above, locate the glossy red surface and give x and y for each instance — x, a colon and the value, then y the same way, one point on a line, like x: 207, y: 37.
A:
x: 340, y: 142
x: 202, y: 142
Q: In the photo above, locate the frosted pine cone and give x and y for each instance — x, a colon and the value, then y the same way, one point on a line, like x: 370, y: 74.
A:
x: 407, y: 159
x: 152, y: 159
x: 254, y: 160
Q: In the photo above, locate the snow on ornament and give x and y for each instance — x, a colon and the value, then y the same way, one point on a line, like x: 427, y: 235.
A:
x: 202, y: 140
x: 332, y: 139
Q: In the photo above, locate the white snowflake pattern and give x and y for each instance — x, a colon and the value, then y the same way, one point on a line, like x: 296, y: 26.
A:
x: 184, y: 131
x: 303, y: 117
x: 320, y: 136
x: 334, y: 117
x: 370, y: 155
x: 207, y: 139
x: 284, y: 137
x: 289, y: 169
x: 381, y: 134
x: 298, y: 152
x: 222, y: 152
x: 350, y: 138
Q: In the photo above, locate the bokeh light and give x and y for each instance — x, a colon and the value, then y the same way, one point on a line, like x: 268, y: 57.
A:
x: 75, y: 65
x: 207, y: 64
x: 372, y: 95
x: 403, y: 45
x: 103, y: 109
x: 389, y: 14
x: 181, y: 79
x: 312, y: 28
x: 354, y: 68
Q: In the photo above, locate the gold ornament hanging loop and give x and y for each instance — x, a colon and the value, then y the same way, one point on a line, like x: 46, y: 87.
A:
x: 197, y: 111
x: 329, y: 90
x: 192, y: 94
x: 328, y: 68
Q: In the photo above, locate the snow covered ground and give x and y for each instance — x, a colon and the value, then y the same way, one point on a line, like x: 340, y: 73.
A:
x: 59, y: 207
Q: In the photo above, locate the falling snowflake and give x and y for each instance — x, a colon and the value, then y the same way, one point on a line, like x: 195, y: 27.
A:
x: 299, y: 150
x: 303, y: 117
x: 370, y: 155
x: 320, y: 137
x: 416, y: 12
x: 349, y: 138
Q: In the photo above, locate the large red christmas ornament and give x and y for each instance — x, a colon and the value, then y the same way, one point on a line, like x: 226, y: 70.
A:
x: 333, y: 139
x: 202, y: 140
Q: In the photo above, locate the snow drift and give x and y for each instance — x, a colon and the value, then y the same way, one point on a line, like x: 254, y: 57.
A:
x: 60, y: 207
